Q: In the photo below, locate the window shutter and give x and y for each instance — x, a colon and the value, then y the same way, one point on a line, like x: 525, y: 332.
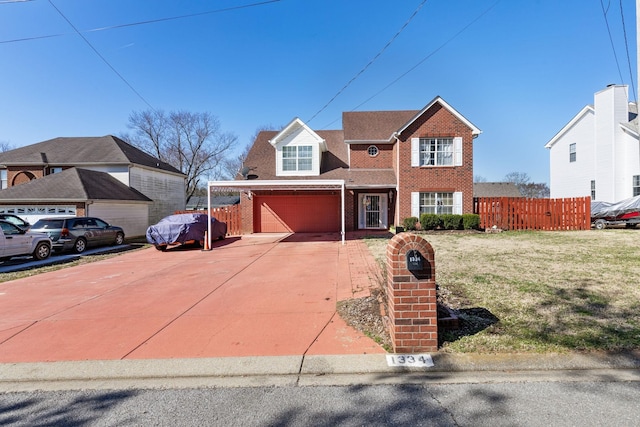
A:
x: 457, y: 203
x: 415, y: 204
x: 415, y: 152
x: 457, y: 151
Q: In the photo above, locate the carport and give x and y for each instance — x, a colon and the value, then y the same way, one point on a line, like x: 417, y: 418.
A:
x: 249, y: 186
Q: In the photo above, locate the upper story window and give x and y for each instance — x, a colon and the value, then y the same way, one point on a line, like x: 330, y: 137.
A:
x: 572, y: 152
x: 436, y: 151
x: 373, y: 150
x: 3, y: 179
x: 636, y: 185
x: 297, y: 158
x: 593, y: 190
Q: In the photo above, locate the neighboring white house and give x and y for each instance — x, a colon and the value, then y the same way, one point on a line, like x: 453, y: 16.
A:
x: 597, y: 153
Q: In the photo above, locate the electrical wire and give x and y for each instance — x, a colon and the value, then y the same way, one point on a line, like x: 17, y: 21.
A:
x: 359, y: 73
x: 615, y: 55
x: 436, y: 50
x: 626, y: 45
x: 101, y: 57
x: 150, y: 21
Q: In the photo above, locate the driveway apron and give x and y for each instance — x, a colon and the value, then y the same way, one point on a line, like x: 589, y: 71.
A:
x: 259, y: 295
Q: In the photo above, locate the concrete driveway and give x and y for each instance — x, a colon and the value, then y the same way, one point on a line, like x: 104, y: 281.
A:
x: 259, y: 295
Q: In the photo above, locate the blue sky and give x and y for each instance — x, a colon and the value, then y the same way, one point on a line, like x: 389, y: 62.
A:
x: 518, y: 69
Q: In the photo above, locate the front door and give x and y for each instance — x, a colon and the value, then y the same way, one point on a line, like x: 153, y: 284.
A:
x: 373, y: 211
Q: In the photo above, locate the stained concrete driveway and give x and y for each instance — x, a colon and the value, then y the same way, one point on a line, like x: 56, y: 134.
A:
x: 259, y: 295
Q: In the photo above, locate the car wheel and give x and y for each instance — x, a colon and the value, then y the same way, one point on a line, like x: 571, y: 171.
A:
x: 600, y: 224
x: 119, y: 238
x: 80, y: 245
x: 42, y: 251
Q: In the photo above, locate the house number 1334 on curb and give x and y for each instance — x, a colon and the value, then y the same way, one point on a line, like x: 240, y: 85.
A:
x: 418, y: 360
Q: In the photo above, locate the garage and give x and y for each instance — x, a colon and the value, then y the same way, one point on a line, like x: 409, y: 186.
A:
x: 288, y: 206
x: 297, y: 213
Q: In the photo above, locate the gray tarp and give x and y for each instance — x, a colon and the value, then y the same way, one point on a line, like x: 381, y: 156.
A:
x: 613, y: 210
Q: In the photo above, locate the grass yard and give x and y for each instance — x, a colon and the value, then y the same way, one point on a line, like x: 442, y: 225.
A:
x: 548, y: 291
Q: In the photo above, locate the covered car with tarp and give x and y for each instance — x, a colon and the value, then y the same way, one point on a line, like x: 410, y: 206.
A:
x: 184, y: 229
x: 625, y: 212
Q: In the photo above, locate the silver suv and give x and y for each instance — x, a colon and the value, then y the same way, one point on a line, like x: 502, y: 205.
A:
x: 14, y: 241
x: 79, y: 233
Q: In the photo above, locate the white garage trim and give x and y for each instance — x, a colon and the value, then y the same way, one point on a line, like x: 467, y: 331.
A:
x: 300, y: 185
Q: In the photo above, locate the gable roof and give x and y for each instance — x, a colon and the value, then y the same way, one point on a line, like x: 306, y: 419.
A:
x: 495, y: 189
x: 292, y: 127
x: 382, y: 126
x: 586, y: 110
x: 74, y: 184
x: 79, y: 151
x: 438, y: 100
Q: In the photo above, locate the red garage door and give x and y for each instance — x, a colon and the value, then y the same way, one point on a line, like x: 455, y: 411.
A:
x: 297, y: 213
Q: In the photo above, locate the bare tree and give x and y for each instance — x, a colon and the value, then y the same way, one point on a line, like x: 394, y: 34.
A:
x: 518, y: 178
x: 526, y: 187
x: 233, y: 165
x: 5, y: 146
x: 479, y: 178
x: 191, y: 142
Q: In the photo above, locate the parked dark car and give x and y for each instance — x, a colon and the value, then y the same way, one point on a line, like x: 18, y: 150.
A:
x: 15, y: 241
x: 15, y: 220
x: 184, y: 229
x: 79, y: 233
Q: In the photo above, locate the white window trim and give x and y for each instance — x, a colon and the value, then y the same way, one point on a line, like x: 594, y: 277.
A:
x: 457, y: 154
x: 415, y: 202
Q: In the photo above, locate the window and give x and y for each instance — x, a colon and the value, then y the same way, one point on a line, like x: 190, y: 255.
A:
x: 436, y: 151
x: 636, y: 185
x: 572, y: 152
x: 593, y: 190
x: 436, y: 203
x: 3, y: 179
x: 372, y: 150
x: 297, y: 158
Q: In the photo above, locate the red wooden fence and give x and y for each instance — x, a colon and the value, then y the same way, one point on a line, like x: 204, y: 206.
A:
x: 519, y: 213
x: 229, y: 214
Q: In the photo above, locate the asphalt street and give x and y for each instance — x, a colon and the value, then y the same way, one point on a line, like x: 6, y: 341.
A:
x: 542, y: 403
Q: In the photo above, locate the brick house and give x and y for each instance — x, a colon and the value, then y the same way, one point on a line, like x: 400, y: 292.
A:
x: 382, y: 167
x: 96, y: 176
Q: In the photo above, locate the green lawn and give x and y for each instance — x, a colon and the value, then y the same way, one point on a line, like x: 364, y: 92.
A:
x: 538, y: 291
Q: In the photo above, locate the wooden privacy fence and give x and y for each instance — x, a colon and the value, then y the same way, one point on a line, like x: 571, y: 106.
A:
x: 229, y: 214
x: 520, y: 213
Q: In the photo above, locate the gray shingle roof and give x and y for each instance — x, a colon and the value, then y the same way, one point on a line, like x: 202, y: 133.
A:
x: 495, y: 189
x: 79, y: 151
x: 374, y: 125
x: 74, y: 184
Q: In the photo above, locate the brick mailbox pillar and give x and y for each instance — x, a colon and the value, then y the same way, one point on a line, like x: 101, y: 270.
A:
x: 411, y: 294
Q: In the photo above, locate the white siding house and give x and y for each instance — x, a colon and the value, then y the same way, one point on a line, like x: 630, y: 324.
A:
x: 597, y: 153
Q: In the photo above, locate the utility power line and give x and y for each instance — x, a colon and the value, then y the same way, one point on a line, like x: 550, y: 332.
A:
x: 133, y: 24
x: 102, y: 57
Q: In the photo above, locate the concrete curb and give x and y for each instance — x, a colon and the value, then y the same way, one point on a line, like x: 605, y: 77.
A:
x: 313, y: 370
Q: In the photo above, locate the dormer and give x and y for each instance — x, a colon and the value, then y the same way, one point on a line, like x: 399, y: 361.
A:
x: 298, y: 150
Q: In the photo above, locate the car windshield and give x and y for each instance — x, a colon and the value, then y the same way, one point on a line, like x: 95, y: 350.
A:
x: 48, y: 224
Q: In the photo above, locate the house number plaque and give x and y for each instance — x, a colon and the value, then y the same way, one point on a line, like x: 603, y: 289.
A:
x: 415, y: 260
